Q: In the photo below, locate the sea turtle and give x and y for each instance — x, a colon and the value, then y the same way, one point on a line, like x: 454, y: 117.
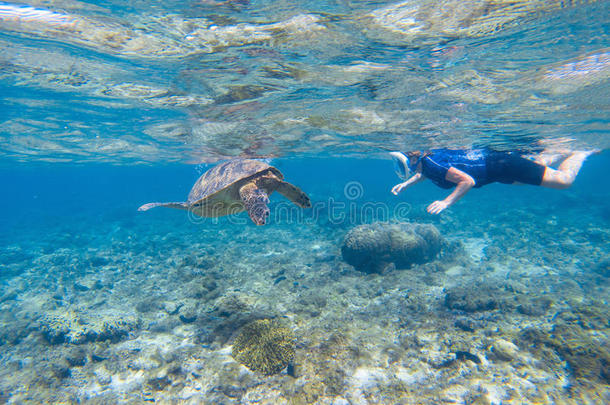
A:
x: 235, y: 186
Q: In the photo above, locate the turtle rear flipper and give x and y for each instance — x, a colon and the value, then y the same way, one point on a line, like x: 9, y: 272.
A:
x: 178, y: 205
x: 294, y: 194
x: 255, y: 200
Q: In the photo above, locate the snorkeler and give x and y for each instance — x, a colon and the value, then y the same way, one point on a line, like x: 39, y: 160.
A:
x: 468, y: 168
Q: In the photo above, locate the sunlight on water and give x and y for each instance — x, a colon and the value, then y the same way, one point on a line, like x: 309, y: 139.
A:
x: 211, y: 79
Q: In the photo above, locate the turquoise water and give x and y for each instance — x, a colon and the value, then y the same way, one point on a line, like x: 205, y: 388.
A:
x: 106, y: 106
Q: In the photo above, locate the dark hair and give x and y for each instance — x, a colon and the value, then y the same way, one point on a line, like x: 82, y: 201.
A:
x: 417, y: 154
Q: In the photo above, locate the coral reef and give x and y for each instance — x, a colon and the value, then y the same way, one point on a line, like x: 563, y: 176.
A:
x: 587, y: 355
x: 230, y: 313
x: 603, y: 267
x: 369, y: 248
x: 83, y: 327
x: 264, y: 346
x: 513, y: 311
x: 473, y: 298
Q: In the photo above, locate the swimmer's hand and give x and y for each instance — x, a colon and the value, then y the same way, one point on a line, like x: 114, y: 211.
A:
x: 416, y: 178
x: 399, y: 187
x: 437, y: 207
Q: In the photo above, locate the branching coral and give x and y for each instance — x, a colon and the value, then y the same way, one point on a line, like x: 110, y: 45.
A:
x: 264, y: 346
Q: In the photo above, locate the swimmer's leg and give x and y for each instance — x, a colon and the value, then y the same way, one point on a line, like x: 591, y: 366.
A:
x: 554, y: 151
x: 564, y: 176
x: 550, y: 158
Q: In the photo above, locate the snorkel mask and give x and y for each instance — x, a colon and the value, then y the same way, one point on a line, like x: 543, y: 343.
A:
x: 413, y: 167
x: 400, y: 164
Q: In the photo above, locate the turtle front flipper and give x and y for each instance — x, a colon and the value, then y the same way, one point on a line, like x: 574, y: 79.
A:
x: 178, y: 205
x: 294, y: 194
x: 255, y: 200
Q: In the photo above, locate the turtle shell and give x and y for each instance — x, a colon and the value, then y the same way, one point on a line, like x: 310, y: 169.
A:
x: 226, y: 175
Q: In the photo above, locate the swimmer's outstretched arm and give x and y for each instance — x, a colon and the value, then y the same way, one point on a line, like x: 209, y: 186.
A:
x: 416, y: 178
x: 464, y: 184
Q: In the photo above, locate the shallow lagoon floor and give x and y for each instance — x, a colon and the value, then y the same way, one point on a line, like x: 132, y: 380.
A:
x: 102, y: 304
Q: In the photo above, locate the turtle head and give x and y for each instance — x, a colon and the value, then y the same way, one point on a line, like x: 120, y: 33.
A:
x: 255, y: 201
x: 258, y: 209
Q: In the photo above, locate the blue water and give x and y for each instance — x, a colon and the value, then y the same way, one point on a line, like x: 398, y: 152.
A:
x: 105, y: 106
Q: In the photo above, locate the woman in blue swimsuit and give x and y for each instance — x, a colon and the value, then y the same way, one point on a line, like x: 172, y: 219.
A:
x: 465, y: 169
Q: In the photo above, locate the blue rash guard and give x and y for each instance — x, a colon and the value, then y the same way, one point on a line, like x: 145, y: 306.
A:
x: 483, y: 165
